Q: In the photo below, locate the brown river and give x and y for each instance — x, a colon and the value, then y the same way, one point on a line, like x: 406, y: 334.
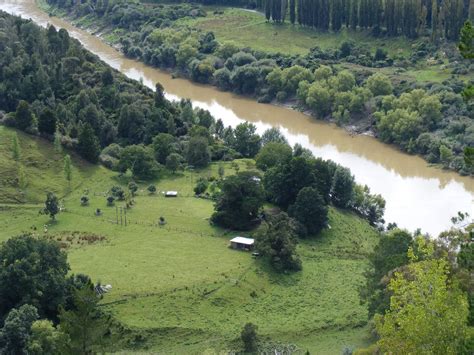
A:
x: 417, y: 195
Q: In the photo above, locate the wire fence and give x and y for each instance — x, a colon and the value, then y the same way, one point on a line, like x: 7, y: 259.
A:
x: 126, y: 222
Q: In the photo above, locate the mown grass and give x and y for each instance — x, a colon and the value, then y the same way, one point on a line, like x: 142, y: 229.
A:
x: 250, y: 29
x: 178, y: 287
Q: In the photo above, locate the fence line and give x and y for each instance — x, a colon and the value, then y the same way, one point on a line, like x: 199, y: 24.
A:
x: 150, y: 224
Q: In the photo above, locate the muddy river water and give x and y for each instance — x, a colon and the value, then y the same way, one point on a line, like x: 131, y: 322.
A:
x: 417, y: 195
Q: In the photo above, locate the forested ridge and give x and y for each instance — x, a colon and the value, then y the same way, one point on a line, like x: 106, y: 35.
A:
x: 430, y: 119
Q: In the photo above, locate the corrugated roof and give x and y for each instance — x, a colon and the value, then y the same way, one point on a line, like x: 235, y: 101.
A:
x: 242, y: 240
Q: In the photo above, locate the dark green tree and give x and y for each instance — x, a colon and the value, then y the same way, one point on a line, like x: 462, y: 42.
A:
x: 283, y: 182
x: 249, y: 338
x: 173, y: 162
x: 47, y: 121
x: 163, y: 146
x: 85, y: 324
x: 16, y: 331
x: 139, y: 160
x: 33, y: 271
x: 239, y: 203
x: 310, y: 210
x: 276, y: 240
x: 247, y: 141
x: 88, y: 144
x: 390, y: 253
x: 197, y: 152
x: 23, y: 116
x: 51, y: 205
x: 466, y: 41
x: 273, y: 154
x: 342, y: 187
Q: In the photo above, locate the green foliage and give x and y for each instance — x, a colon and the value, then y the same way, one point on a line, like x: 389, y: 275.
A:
x: 84, y: 323
x: 319, y: 99
x: 23, y: 116
x: 276, y: 239
x: 173, y: 162
x: 249, y: 338
x: 342, y: 187
x: 16, y: 150
x: 466, y: 41
x: 239, y: 203
x: 273, y: 135
x: 379, y: 84
x: 272, y: 154
x: 46, y: 339
x: 57, y: 142
x: 197, y: 152
x: 390, y: 253
x: 428, y: 313
x: 445, y: 155
x: 245, y: 139
x: 16, y: 329
x: 139, y: 160
x: 68, y: 168
x: 132, y: 187
x: 47, y: 121
x: 51, y: 205
x: 38, y: 270
x: 310, y: 210
x: 201, y: 186
x: 162, y: 146
x: 88, y: 144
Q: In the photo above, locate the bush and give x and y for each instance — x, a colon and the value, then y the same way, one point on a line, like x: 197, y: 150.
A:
x: 151, y: 189
x: 201, y: 186
x: 84, y: 200
x: 110, y: 200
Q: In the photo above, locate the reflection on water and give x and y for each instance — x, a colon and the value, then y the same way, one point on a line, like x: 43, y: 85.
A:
x: 417, y: 195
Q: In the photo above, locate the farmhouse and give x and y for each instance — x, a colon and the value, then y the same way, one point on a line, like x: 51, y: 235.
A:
x: 242, y: 243
x: 171, y: 194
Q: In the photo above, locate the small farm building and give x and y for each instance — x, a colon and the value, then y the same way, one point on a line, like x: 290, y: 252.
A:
x: 171, y: 194
x: 242, y: 243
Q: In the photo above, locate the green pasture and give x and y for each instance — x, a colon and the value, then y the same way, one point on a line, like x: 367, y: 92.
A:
x: 178, y: 288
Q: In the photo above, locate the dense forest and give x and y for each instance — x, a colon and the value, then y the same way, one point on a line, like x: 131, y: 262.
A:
x: 430, y: 119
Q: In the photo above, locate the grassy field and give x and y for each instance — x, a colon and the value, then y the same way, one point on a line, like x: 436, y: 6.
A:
x: 250, y: 29
x: 179, y: 288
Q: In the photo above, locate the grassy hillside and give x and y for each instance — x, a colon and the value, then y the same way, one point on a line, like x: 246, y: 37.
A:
x: 178, y: 288
x: 250, y: 29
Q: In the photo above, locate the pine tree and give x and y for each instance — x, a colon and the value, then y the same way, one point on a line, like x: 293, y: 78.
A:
x: 268, y: 9
x: 337, y: 15
x: 292, y: 11
x: 434, y: 22
x: 355, y: 13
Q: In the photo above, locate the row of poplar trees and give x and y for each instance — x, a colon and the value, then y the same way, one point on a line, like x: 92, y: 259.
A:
x: 412, y: 18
